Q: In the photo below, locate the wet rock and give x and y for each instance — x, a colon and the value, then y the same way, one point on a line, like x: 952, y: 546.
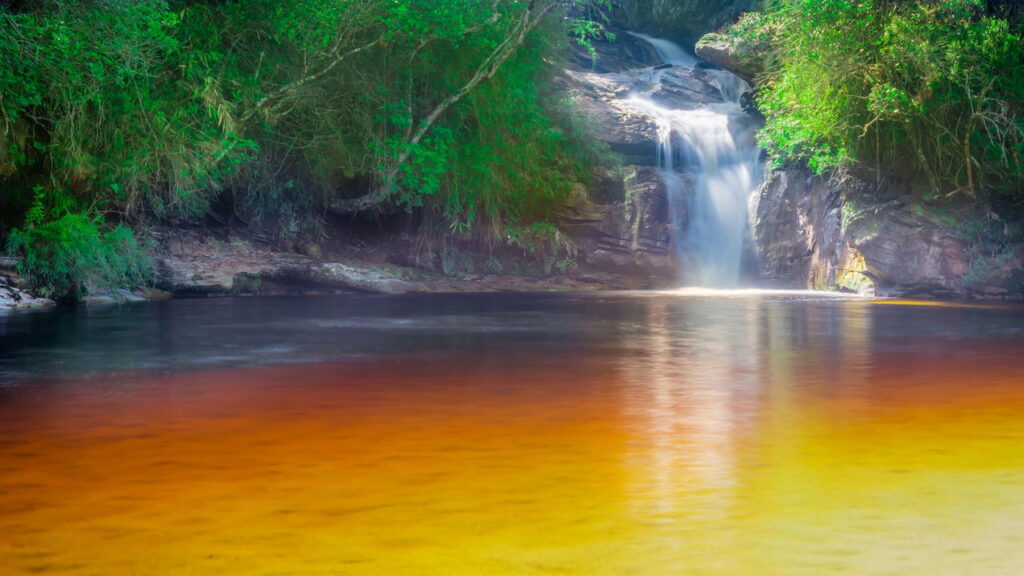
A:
x: 837, y: 232
x: 193, y: 263
x: 624, y: 53
x: 108, y: 296
x: 348, y: 277
x: 906, y: 255
x: 153, y: 294
x: 601, y: 98
x: 731, y: 54
x: 604, y: 99
x: 12, y: 298
x: 190, y: 263
x: 686, y: 89
x: 798, y: 233
x: 626, y: 242
x: 14, y: 290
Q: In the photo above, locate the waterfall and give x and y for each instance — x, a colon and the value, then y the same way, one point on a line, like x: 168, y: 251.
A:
x: 714, y: 146
x: 669, y: 52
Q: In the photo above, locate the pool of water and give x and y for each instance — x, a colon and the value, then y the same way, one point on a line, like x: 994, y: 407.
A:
x: 627, y: 434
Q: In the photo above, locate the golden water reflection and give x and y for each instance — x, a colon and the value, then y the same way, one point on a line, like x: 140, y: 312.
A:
x: 727, y: 439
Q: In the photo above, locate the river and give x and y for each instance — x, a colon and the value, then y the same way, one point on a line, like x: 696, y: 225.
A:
x: 595, y: 434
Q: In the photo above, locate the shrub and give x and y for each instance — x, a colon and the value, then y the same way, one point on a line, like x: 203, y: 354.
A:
x: 990, y: 244
x: 546, y: 243
x: 63, y: 248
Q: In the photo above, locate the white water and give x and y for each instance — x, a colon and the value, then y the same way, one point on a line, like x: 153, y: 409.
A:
x: 715, y: 148
x: 669, y: 52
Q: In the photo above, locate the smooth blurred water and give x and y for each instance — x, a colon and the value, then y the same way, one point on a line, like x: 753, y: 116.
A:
x: 668, y: 51
x: 716, y: 148
x: 646, y: 433
x: 231, y: 332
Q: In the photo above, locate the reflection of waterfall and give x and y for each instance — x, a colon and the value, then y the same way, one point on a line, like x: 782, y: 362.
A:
x: 714, y: 145
x: 688, y: 396
x: 706, y: 378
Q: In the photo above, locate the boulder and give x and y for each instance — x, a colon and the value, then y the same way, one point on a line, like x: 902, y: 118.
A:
x: 731, y: 54
x: 797, y: 231
x: 625, y: 52
x: 602, y: 100
x: 605, y: 100
x: 907, y: 255
x: 686, y: 89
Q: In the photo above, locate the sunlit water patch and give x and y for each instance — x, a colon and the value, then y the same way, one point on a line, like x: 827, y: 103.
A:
x: 701, y: 292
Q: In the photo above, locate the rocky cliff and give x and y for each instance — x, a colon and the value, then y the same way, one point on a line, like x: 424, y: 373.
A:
x: 838, y: 232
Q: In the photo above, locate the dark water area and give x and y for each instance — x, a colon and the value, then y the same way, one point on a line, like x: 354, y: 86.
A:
x: 611, y: 433
x: 230, y: 332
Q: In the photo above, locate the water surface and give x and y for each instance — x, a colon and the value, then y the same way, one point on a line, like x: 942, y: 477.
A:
x: 641, y: 434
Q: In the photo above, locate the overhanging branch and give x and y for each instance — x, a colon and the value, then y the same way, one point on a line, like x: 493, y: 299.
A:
x: 490, y: 65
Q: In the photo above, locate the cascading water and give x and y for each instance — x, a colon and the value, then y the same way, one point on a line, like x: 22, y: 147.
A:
x: 714, y: 146
x: 669, y: 52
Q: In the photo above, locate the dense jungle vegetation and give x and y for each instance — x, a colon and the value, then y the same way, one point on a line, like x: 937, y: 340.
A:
x: 275, y: 113
x: 929, y: 90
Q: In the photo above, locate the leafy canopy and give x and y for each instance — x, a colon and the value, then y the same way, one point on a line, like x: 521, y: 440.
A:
x: 930, y: 89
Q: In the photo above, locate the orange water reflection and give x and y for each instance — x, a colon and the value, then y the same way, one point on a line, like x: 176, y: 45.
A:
x: 728, y: 450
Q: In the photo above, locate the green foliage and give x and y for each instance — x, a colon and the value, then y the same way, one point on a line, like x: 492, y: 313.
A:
x: 170, y: 108
x: 511, y: 162
x: 754, y: 28
x: 96, y: 92
x: 62, y: 248
x: 544, y: 241
x: 931, y: 90
x: 990, y: 245
x: 587, y: 22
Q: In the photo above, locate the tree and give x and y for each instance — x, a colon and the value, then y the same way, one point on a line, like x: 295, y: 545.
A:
x: 930, y: 90
x: 503, y: 26
x: 178, y: 106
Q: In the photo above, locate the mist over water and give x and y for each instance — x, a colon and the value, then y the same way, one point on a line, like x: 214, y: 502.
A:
x: 713, y: 146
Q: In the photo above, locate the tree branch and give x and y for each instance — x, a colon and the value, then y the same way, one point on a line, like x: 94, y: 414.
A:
x: 529, y: 20
x: 293, y: 87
